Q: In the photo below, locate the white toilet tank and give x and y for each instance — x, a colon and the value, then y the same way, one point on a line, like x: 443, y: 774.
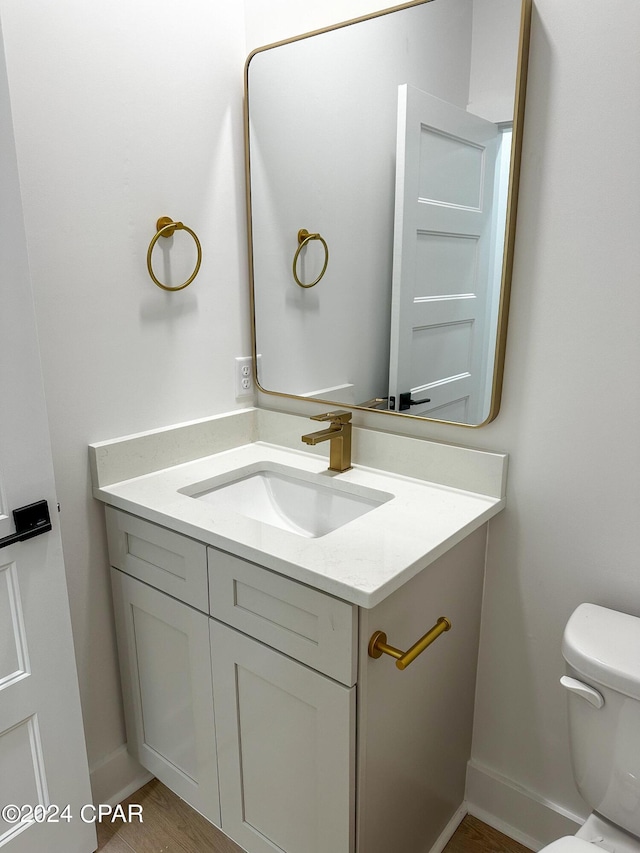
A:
x: 602, y: 650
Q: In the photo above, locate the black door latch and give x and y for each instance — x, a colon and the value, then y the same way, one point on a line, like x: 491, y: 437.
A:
x: 406, y: 402
x: 30, y: 521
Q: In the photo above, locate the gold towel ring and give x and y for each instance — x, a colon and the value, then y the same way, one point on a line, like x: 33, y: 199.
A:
x: 303, y: 238
x: 166, y: 228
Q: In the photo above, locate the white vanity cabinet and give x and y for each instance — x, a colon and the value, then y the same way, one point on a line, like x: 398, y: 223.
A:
x: 316, y: 747
x: 285, y: 733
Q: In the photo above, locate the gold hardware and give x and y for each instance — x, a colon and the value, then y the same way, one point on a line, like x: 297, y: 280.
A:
x: 303, y: 238
x: 339, y: 434
x: 374, y: 403
x: 166, y: 228
x: 166, y: 222
x: 378, y: 644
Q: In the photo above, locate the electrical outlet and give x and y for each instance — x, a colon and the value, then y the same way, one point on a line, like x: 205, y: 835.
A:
x: 244, y: 376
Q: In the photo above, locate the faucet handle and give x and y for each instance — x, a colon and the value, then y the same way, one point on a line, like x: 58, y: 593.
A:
x: 336, y: 417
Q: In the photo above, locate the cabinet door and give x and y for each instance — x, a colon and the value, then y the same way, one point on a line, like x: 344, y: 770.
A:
x: 286, y: 750
x: 165, y: 668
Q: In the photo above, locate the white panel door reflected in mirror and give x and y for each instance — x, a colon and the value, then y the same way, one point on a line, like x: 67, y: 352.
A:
x: 417, y: 209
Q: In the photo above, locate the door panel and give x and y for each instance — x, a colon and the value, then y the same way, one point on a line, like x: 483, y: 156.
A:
x: 13, y: 642
x: 449, y: 169
x: 23, y: 780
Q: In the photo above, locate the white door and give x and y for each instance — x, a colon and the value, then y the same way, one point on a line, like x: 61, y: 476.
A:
x: 442, y: 252
x: 42, y: 750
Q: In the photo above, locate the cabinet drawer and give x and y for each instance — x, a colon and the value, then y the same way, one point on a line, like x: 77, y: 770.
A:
x: 166, y: 560
x: 310, y: 626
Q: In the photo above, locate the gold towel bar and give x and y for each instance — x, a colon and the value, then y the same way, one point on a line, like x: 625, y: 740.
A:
x: 166, y: 228
x: 378, y: 644
x: 303, y: 238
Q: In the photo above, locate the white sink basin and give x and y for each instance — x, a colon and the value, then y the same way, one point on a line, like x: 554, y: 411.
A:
x: 310, y: 505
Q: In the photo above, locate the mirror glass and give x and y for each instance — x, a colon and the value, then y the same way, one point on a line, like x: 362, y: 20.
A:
x: 392, y: 143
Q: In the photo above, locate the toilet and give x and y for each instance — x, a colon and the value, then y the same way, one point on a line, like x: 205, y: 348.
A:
x: 602, y: 650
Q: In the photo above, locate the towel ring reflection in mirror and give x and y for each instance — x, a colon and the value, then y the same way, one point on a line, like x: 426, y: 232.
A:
x: 303, y: 239
x: 166, y: 228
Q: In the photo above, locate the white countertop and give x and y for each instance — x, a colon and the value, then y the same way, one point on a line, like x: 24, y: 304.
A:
x: 362, y: 562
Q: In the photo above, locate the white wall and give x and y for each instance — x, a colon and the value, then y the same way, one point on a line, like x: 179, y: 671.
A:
x: 494, y: 59
x: 125, y: 112
x: 282, y: 19
x: 104, y: 149
x: 571, y: 403
x: 572, y: 398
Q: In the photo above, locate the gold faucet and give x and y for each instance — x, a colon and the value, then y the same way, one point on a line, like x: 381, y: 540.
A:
x: 339, y: 434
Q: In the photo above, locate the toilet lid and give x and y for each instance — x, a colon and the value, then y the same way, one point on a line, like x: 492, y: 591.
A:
x: 569, y: 844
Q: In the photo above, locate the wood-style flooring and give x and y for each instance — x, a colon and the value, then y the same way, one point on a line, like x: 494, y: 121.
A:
x: 171, y: 826
x: 474, y: 836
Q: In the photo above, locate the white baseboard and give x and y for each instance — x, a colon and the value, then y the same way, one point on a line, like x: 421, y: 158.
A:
x: 447, y: 833
x: 116, y: 777
x: 521, y: 814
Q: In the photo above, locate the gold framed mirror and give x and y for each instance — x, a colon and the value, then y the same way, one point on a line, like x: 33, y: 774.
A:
x: 382, y: 160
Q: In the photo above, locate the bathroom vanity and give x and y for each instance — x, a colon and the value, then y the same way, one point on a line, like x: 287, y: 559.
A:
x: 247, y: 680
